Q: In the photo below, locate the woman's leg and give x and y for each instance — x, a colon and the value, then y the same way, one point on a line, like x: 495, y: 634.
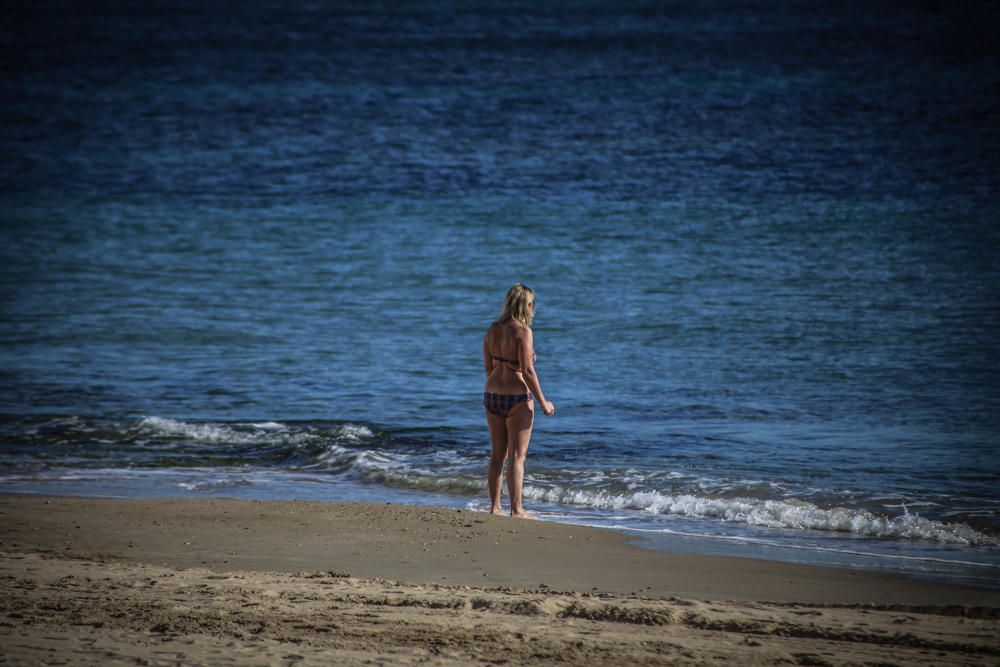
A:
x: 498, y: 436
x: 519, y: 422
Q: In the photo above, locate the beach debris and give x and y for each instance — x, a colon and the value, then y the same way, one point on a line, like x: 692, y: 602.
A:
x: 327, y: 574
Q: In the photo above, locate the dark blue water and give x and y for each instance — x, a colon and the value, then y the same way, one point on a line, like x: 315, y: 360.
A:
x: 251, y: 251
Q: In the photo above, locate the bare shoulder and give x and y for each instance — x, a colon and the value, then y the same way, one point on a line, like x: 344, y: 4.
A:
x: 493, y: 332
x: 520, y: 331
x: 508, y: 330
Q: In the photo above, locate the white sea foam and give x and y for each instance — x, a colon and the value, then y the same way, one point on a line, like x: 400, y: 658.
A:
x: 211, y: 433
x: 355, y: 433
x: 271, y: 426
x: 214, y: 484
x: 786, y: 513
x: 786, y: 545
x: 245, y: 434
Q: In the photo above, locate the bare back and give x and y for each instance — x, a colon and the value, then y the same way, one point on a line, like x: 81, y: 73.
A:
x: 507, y: 350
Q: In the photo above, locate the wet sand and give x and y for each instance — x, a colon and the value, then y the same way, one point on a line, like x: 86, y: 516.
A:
x: 215, y: 581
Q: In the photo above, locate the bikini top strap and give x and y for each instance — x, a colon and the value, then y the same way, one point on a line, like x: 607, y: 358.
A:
x: 507, y: 361
x: 514, y: 362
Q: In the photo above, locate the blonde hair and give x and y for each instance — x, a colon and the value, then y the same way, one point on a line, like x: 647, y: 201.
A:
x: 517, y: 305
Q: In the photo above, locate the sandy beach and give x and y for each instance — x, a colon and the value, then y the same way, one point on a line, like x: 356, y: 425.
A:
x: 216, y: 581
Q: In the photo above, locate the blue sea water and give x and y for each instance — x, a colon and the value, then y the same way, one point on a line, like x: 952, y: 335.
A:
x: 251, y: 250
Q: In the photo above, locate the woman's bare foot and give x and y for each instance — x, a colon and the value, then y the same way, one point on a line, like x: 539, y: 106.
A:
x: 497, y: 511
x: 522, y: 515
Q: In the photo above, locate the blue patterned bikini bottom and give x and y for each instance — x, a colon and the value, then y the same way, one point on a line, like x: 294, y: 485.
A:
x: 501, y: 404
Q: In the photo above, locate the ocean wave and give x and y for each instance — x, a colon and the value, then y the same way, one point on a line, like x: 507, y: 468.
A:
x: 395, y: 469
x: 426, y: 482
x: 350, y: 450
x: 399, y: 469
x: 247, y: 434
x: 773, y: 513
x: 355, y: 432
x: 203, y: 433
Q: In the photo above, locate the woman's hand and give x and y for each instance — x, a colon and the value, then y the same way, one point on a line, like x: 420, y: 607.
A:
x: 548, y: 408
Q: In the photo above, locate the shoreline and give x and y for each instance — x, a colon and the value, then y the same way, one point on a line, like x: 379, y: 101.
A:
x: 457, y: 574
x: 948, y: 565
x: 425, y: 544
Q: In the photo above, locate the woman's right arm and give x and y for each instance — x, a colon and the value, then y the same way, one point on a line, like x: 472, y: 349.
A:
x: 487, y: 359
x: 526, y: 352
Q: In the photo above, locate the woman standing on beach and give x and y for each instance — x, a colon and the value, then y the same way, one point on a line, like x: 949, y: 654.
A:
x: 511, y: 386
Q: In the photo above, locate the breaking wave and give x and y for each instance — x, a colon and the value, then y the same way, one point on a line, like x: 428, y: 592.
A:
x: 771, y: 513
x: 355, y: 452
x: 413, y: 472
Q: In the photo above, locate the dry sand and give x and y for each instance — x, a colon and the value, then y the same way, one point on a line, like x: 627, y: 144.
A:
x: 91, y: 581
